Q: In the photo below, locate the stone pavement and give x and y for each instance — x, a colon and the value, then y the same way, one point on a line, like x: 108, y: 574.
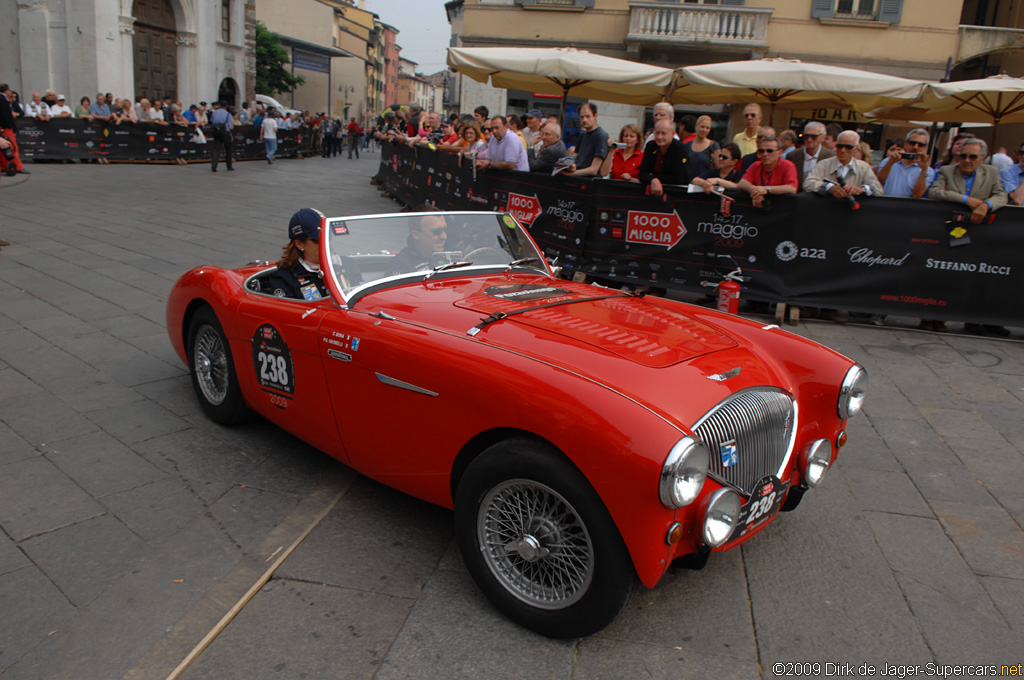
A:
x: 130, y: 525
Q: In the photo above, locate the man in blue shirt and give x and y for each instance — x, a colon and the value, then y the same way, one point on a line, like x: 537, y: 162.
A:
x: 592, y: 146
x: 190, y: 115
x: 222, y: 123
x: 905, y: 170
x: 99, y: 109
x: 505, y: 151
x: 1011, y: 178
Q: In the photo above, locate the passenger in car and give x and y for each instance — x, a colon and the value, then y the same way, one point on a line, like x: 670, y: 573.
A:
x: 427, y: 236
x: 298, y: 273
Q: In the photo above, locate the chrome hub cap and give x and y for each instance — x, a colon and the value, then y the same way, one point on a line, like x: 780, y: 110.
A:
x: 210, y: 360
x: 535, y: 544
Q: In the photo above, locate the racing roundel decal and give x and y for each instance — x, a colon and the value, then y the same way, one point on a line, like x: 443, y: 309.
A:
x: 272, y: 361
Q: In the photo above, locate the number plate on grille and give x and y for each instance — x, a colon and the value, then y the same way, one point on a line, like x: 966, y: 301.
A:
x: 763, y: 504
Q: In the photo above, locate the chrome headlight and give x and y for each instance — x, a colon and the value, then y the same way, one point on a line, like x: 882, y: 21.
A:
x: 722, y: 517
x: 816, y: 460
x: 851, y: 394
x: 684, y: 473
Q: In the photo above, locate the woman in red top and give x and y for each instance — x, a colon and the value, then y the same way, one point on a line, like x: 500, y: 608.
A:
x: 624, y: 162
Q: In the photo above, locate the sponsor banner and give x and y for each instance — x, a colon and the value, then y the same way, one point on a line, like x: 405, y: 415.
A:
x: 892, y: 256
x: 76, y: 139
x: 680, y: 240
x: 556, y: 210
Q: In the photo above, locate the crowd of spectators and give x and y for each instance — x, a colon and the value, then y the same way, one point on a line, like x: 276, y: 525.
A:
x: 825, y: 159
x: 330, y: 134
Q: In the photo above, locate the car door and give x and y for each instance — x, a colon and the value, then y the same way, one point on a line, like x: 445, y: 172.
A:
x: 398, y: 409
x: 276, y: 354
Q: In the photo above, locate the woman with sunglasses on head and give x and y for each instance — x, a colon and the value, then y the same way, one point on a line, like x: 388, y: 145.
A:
x: 726, y: 173
x: 700, y: 152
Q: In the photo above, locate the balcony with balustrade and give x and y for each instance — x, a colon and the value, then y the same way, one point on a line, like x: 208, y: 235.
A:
x: 738, y: 31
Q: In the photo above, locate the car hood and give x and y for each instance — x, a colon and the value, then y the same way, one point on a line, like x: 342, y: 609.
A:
x: 677, y: 359
x: 624, y: 325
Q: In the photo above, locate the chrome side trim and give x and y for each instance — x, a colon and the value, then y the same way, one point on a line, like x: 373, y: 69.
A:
x: 388, y: 380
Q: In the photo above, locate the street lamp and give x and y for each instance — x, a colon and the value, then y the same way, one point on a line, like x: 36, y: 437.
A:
x: 346, y: 90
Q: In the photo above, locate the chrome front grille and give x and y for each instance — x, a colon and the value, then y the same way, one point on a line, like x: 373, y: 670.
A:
x: 761, y: 423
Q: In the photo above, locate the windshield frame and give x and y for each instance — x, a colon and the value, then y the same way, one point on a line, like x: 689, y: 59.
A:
x: 346, y: 299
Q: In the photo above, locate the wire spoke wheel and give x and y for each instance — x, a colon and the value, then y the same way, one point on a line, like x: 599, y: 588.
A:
x: 211, y: 365
x: 535, y: 544
x: 213, y: 371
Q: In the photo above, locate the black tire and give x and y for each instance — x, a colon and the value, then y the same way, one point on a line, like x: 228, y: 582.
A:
x: 213, y: 370
x: 569, y: 574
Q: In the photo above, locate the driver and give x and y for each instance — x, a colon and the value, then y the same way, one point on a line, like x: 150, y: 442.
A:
x: 298, y: 272
x: 426, y: 237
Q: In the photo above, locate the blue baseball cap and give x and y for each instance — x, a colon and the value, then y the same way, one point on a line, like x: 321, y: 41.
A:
x: 306, y: 224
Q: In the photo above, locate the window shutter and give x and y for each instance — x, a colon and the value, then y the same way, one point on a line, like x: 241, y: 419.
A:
x: 732, y: 2
x: 890, y: 10
x: 822, y: 9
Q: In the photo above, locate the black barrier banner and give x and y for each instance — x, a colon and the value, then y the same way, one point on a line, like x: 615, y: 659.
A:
x: 681, y: 240
x: 556, y: 210
x: 891, y: 256
x: 77, y: 139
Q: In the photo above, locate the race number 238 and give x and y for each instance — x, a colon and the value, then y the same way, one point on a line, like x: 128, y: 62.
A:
x: 763, y: 506
x: 272, y: 361
x: 273, y: 368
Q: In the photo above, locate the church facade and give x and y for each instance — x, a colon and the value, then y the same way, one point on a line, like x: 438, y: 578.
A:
x: 191, y: 50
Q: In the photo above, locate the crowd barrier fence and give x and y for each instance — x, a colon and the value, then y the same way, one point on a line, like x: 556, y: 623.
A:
x: 78, y: 139
x: 890, y: 256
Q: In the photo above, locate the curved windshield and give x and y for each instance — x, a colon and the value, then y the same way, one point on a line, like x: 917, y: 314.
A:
x: 375, y: 249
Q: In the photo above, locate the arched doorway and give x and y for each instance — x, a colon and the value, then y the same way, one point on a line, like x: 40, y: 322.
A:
x: 228, y: 91
x: 156, y: 50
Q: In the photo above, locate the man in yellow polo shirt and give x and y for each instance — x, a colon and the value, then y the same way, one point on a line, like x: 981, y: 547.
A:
x: 747, y: 140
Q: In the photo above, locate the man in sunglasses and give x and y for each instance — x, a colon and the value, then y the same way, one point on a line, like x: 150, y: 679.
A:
x: 427, y: 235
x: 970, y: 182
x: 747, y: 140
x: 977, y: 186
x: 905, y: 170
x: 763, y: 132
x: 813, y: 153
x: 843, y: 176
x: 772, y: 174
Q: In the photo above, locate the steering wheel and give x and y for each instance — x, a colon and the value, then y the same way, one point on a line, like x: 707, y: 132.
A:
x: 485, y: 255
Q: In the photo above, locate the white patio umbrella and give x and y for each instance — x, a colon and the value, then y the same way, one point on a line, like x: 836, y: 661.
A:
x: 563, y: 70
x: 792, y: 84
x: 992, y: 100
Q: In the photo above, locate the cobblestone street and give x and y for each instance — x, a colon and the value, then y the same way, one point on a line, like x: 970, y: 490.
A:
x: 130, y: 524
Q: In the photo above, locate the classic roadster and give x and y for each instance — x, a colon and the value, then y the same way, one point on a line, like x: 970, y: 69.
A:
x: 585, y: 437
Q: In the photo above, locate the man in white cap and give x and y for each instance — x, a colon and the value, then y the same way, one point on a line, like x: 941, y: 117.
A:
x: 61, y: 109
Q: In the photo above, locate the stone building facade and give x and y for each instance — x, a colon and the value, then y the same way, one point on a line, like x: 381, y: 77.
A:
x: 192, y: 50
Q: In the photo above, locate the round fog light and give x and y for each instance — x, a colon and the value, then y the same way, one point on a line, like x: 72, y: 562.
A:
x: 722, y: 516
x: 817, y: 458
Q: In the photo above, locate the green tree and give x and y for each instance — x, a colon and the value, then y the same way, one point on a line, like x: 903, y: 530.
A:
x: 271, y: 56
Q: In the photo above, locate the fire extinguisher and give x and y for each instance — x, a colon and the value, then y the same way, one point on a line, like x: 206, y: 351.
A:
x: 729, y: 292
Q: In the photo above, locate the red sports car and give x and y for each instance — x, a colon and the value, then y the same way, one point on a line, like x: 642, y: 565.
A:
x: 586, y: 438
